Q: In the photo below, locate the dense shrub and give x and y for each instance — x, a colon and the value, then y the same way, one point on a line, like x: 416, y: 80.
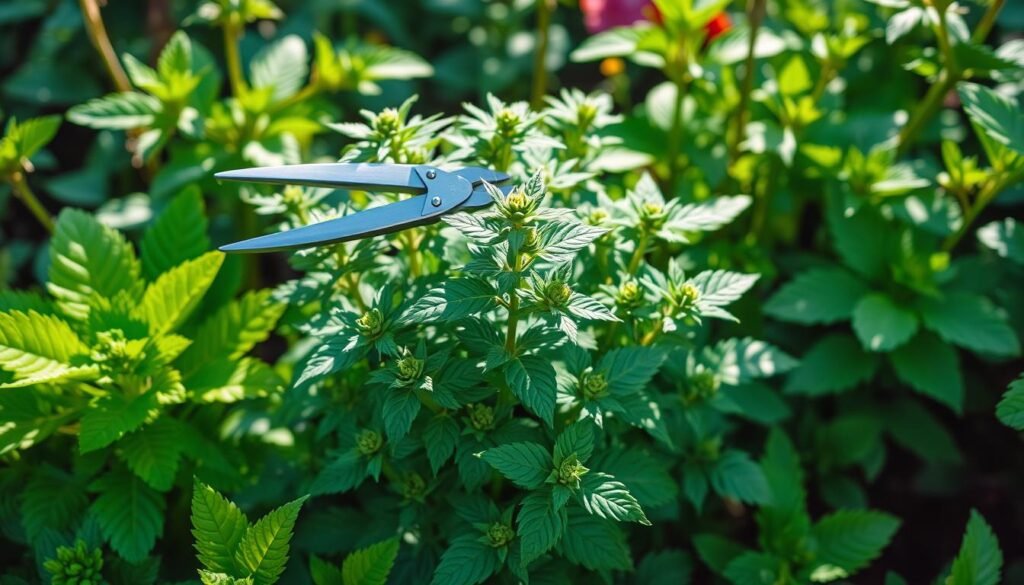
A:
x: 748, y: 315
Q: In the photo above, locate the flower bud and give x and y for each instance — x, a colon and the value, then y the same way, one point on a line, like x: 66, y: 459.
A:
x: 531, y: 243
x: 629, y: 295
x: 593, y: 385
x: 413, y: 487
x: 570, y: 471
x: 481, y: 416
x: 685, y: 297
x: 597, y: 217
x: 499, y: 535
x: 409, y: 368
x: 387, y: 123
x: 703, y: 385
x: 76, y: 565
x: 369, y: 442
x: 557, y: 293
x: 508, y: 122
x: 652, y: 215
x: 371, y: 323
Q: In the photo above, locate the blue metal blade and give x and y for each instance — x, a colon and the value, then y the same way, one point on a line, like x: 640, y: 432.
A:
x: 363, y: 224
x: 389, y: 178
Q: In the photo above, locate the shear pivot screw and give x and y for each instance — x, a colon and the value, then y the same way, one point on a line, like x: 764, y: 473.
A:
x: 436, y: 201
x: 431, y: 175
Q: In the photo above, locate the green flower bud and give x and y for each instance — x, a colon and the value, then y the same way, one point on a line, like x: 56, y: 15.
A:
x: 508, y: 122
x: 369, y: 442
x: 597, y: 217
x: 481, y: 416
x: 413, y: 486
x: 629, y: 295
x: 371, y: 323
x: 557, y: 293
x: 709, y: 449
x: 652, y: 216
x: 77, y: 565
x: 685, y: 297
x: 387, y: 123
x: 517, y: 201
x: 532, y: 241
x: 593, y: 385
x: 702, y: 385
x: 571, y: 471
x: 499, y: 535
x: 409, y: 368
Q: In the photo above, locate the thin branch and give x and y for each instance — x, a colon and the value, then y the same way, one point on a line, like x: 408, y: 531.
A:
x: 101, y: 41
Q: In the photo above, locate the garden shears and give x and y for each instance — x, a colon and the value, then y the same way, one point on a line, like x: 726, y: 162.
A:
x: 438, y: 193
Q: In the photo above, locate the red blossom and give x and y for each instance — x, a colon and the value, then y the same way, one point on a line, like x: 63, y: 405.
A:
x: 601, y: 15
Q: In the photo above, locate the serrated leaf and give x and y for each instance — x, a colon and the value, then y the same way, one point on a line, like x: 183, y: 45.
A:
x: 177, y: 235
x: 532, y: 381
x: 117, y: 111
x: 737, y: 476
x: 931, y: 367
x: 526, y: 464
x: 708, y: 215
x: 1010, y: 409
x: 233, y: 330
x: 834, y: 364
x: 112, y: 417
x: 562, y: 241
x: 578, y: 439
x: 170, y: 299
x: 218, y: 527
x: 152, y: 453
x: 37, y: 347
x: 718, y: 288
x: 440, y: 437
x: 753, y: 568
x: 88, y: 262
x: 819, y: 295
x: 31, y: 135
x: 466, y: 561
x: 371, y: 565
x: 980, y: 560
x: 585, y: 307
x: 742, y: 360
x: 323, y: 572
x: 176, y: 56
x: 263, y: 551
x: 646, y: 477
x: 851, y: 539
x: 595, y: 543
x: 282, y: 65
x: 539, y: 527
x: 28, y: 419
x: 130, y: 514
x: 882, y: 325
x: 227, y: 380
x: 453, y: 300
x: 401, y: 405
x: 342, y: 474
x: 629, y: 369
x: 604, y: 496
x: 332, y: 355
x: 51, y: 499
x: 994, y: 115
x: 970, y: 321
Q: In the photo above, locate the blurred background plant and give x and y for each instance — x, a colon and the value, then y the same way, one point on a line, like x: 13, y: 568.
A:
x: 865, y: 157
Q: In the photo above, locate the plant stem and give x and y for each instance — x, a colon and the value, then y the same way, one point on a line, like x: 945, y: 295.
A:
x: 755, y: 15
x: 22, y: 191
x: 540, y: 74
x: 232, y: 32
x: 513, y: 310
x: 300, y: 96
x: 971, y: 212
x: 638, y: 254
x: 412, y: 253
x: 101, y: 41
x: 987, y: 21
x: 932, y: 102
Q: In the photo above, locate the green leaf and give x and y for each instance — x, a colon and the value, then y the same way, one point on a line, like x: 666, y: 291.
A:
x: 177, y: 235
x: 282, y: 65
x: 994, y: 115
x: 152, y: 453
x: 170, y: 299
x: 539, y: 527
x: 51, y: 499
x: 1010, y: 409
x: 117, y: 111
x: 89, y: 262
x: 346, y: 472
x: 28, y: 420
x: 466, y: 561
x: 233, y: 330
x: 176, y: 57
x: 585, y: 307
x: 211, y: 578
x: 716, y: 551
x: 595, y: 543
x: 851, y: 539
x: 324, y: 573
x: 706, y: 216
x: 263, y: 551
x: 753, y: 568
x: 453, y: 300
x: 562, y: 241
x: 862, y: 239
x: 980, y: 560
x: 532, y: 380
x: 718, y: 288
x: 371, y: 565
x: 38, y: 348
x: 735, y: 475
x: 617, y: 42
x: 440, y: 437
x: 882, y: 325
x: 646, y: 477
x: 630, y: 369
x: 226, y: 380
x: 578, y: 439
x: 742, y: 360
x: 914, y: 427
x: 33, y: 134
x: 970, y: 321
x: 526, y: 464
x: 112, y: 417
x: 218, y: 527
x: 130, y: 514
x: 401, y: 405
x: 931, y: 367
x: 609, y: 498
x: 1005, y: 237
x: 665, y: 567
x: 834, y: 364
